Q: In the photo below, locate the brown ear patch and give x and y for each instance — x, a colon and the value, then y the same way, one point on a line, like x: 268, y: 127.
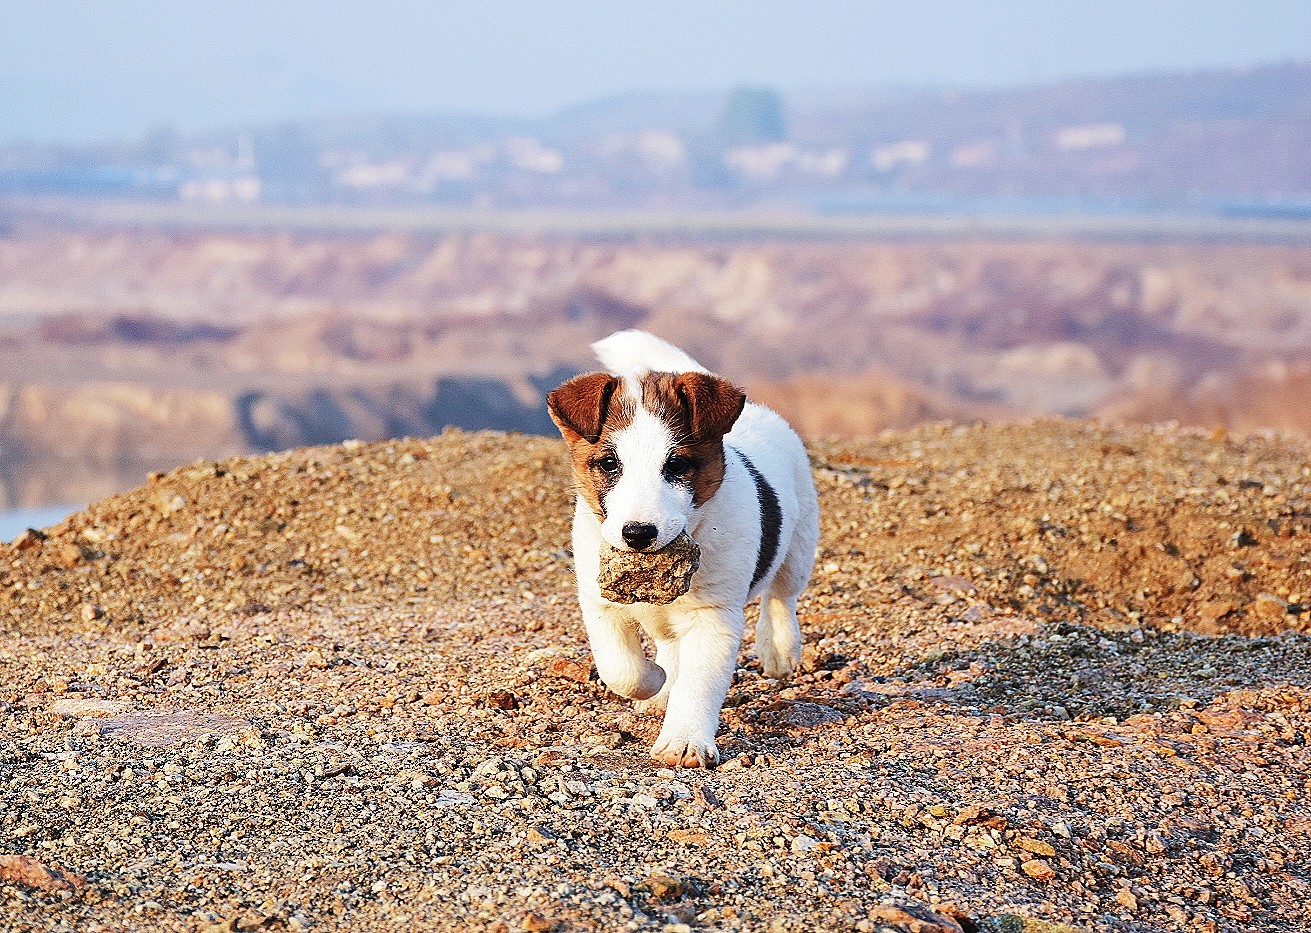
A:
x: 587, y: 410
x: 579, y: 407
x: 711, y: 404
x: 699, y: 410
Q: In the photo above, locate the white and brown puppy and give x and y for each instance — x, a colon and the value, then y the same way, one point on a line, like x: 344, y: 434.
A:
x: 660, y: 446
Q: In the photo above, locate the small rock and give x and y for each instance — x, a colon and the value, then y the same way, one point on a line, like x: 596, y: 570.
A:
x: 1217, y: 609
x: 1269, y: 606
x: 664, y: 887
x: 28, y: 538
x: 1038, y: 870
x: 803, y: 844
x: 502, y: 699
x: 913, y: 918
x: 34, y: 874
x: 1127, y: 899
x: 1036, y: 846
x: 536, y: 923
x: 810, y: 715
x: 91, y: 613
x: 971, y: 815
x: 953, y: 584
x: 1155, y: 843
x: 658, y: 577
x: 706, y: 797
x: 570, y: 669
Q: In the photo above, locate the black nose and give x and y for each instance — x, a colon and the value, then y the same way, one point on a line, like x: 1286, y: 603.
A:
x: 639, y: 535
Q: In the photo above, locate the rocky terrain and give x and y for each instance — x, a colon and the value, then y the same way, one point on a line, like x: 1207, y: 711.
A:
x: 1057, y: 678
x: 124, y: 351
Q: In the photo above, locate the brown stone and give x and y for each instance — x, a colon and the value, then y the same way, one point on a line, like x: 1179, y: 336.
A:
x: 502, y: 699
x: 1217, y: 609
x: 664, y: 887
x: 706, y: 797
x: 1036, y: 846
x: 1038, y: 870
x: 28, y: 538
x: 570, y: 669
x: 914, y: 918
x: 658, y: 577
x: 34, y: 874
x: 1269, y: 606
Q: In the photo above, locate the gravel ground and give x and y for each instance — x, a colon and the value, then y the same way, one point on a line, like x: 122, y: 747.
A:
x: 1056, y: 677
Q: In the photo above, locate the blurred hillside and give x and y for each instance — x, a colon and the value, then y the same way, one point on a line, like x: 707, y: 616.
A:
x: 127, y: 351
x: 1226, y: 141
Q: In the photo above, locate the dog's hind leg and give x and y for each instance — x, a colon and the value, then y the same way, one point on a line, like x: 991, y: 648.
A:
x: 778, y: 633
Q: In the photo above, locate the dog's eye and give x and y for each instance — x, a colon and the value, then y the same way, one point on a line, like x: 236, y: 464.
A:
x: 608, y: 465
x: 678, y: 465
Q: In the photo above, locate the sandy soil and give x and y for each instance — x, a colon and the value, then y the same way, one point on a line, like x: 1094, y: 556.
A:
x: 1056, y: 676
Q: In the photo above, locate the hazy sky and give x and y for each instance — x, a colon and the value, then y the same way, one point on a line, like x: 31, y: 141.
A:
x: 88, y: 69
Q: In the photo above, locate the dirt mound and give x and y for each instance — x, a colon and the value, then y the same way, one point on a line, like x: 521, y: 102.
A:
x: 1069, y: 521
x: 1054, y: 673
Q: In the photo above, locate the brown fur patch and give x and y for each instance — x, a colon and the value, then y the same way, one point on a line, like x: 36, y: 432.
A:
x: 699, y: 409
x: 588, y: 410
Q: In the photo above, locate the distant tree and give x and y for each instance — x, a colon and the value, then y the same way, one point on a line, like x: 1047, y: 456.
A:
x: 753, y: 115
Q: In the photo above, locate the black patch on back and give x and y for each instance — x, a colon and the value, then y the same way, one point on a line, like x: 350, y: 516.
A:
x: 771, y: 520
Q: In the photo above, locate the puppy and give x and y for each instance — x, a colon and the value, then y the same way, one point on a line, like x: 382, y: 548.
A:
x: 660, y: 446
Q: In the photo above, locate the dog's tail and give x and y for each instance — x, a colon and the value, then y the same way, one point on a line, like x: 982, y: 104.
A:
x: 635, y: 351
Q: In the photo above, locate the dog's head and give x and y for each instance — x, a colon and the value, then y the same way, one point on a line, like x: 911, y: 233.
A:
x: 647, y: 450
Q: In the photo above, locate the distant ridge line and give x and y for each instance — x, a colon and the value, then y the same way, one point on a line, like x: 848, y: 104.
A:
x: 692, y: 225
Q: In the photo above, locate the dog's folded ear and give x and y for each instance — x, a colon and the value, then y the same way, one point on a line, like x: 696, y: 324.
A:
x: 710, y: 404
x: 579, y: 407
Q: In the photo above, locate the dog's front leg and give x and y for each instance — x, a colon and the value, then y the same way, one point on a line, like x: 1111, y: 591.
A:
x: 617, y: 651
x: 708, y: 644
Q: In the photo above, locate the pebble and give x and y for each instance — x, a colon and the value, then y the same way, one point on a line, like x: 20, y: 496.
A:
x: 1038, y: 869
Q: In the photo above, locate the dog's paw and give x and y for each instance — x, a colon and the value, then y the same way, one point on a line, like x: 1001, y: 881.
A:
x: 652, y: 707
x: 778, y: 665
x: 685, y: 752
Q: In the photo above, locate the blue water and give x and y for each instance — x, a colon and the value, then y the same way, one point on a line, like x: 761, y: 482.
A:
x: 13, y: 523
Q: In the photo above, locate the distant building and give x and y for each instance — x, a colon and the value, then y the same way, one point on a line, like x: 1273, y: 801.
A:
x: 906, y: 152
x: 218, y: 174
x: 374, y: 175
x: 1090, y: 136
x: 530, y: 155
x: 221, y: 188
x: 762, y: 163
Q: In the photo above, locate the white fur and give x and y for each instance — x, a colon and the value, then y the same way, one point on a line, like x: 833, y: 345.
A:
x: 641, y: 495
x: 698, y: 635
x: 636, y: 351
